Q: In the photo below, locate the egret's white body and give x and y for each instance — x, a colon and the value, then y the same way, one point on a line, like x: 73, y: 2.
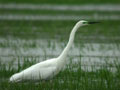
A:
x: 49, y: 68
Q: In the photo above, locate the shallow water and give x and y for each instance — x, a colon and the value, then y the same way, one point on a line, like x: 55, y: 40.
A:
x: 88, y: 54
x: 56, y: 7
x: 58, y: 17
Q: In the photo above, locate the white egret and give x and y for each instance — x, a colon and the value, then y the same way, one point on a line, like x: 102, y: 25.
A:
x: 49, y: 68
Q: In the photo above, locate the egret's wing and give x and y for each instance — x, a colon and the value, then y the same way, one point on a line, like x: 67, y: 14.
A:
x: 42, y: 70
x: 39, y: 74
x: 48, y: 72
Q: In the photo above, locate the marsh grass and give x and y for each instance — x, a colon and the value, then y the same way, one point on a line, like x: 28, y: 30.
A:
x: 61, y: 1
x: 102, y: 79
x: 104, y: 32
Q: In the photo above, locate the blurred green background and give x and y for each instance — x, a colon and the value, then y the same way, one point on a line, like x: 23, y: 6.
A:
x: 35, y: 30
x: 63, y: 1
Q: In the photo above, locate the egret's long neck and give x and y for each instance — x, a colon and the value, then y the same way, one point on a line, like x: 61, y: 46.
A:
x: 71, y: 39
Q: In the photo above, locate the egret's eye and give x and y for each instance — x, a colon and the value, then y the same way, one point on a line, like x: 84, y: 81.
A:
x: 85, y: 22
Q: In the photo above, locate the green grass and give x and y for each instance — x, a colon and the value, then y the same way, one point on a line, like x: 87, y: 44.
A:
x: 102, y: 79
x: 61, y: 1
x: 55, y: 12
x: 56, y: 29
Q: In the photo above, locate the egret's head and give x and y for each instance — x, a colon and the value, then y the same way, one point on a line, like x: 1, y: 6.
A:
x: 83, y: 22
